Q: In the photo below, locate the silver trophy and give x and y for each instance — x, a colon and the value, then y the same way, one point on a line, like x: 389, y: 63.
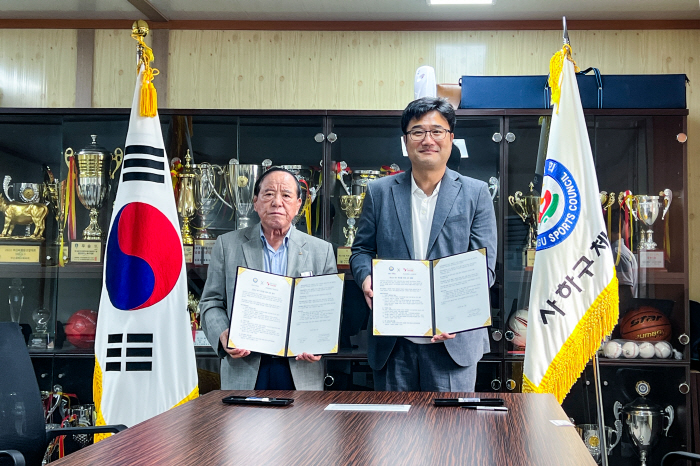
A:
x: 645, y: 421
x: 241, y: 182
x: 590, y: 435
x: 646, y: 210
x: 16, y: 299
x: 93, y: 163
x: 493, y: 187
x: 25, y: 192
x: 205, y: 195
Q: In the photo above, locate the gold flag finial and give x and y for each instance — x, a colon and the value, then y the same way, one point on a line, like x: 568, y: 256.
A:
x: 149, y: 99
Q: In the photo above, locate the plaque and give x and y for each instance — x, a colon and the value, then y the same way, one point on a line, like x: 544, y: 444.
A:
x: 20, y: 252
x: 189, y: 253
x: 651, y: 259
x: 343, y: 257
x: 86, y: 251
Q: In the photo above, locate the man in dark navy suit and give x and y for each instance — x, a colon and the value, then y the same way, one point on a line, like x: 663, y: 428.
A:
x: 427, y: 212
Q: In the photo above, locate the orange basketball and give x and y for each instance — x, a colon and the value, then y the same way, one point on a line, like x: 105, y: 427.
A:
x: 645, y: 324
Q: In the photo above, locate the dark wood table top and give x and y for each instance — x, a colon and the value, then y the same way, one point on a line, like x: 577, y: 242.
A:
x: 207, y: 432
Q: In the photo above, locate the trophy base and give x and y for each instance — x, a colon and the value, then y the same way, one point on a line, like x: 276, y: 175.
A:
x: 651, y: 259
x: 202, y: 251
x: 528, y: 258
x: 343, y: 257
x: 21, y: 251
x: 189, y: 253
x: 86, y: 251
x: 39, y: 341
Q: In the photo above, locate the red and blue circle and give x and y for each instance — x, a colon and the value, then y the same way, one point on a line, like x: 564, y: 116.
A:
x: 144, y: 257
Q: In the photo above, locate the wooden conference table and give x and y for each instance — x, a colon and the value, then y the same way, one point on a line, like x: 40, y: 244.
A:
x: 207, y: 432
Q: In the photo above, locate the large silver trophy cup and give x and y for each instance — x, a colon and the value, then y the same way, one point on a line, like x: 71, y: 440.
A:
x: 646, y: 210
x: 645, y: 421
x: 241, y: 182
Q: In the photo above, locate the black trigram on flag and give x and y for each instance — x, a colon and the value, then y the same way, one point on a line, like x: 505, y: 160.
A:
x: 134, y: 355
x: 138, y: 160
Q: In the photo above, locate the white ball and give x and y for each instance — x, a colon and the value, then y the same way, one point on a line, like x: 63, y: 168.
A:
x: 517, y: 323
x: 662, y: 349
x: 630, y: 349
x: 646, y: 350
x: 613, y: 349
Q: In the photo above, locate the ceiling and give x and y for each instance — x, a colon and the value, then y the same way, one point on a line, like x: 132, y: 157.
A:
x: 348, y: 10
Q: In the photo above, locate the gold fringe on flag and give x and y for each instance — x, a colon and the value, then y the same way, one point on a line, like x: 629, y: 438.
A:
x: 148, y: 101
x: 556, y: 65
x: 598, y: 322
x: 97, y: 398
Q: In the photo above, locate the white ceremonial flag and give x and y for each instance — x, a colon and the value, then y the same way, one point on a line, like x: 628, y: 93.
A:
x: 144, y: 354
x: 573, y: 297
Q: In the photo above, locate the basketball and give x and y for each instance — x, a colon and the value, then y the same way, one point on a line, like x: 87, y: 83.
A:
x: 80, y: 328
x: 517, y: 323
x: 645, y: 323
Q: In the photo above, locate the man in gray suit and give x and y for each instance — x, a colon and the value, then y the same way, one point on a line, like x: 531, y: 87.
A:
x: 275, y: 246
x: 428, y: 212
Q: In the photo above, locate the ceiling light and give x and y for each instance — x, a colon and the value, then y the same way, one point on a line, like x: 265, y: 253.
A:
x: 460, y: 2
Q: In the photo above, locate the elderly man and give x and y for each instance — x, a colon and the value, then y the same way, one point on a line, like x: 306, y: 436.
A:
x: 428, y: 212
x: 274, y: 246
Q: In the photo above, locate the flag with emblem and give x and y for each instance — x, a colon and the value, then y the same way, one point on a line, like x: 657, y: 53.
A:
x: 573, y: 296
x: 144, y: 354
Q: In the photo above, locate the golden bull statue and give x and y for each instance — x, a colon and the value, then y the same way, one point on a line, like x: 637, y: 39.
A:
x: 19, y: 213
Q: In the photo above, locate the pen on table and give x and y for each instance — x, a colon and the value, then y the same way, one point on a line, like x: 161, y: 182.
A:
x: 486, y: 408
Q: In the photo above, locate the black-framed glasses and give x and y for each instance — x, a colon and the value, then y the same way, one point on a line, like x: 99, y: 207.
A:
x: 436, y: 134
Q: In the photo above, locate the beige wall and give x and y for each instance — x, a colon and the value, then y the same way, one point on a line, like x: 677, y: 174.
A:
x: 336, y: 70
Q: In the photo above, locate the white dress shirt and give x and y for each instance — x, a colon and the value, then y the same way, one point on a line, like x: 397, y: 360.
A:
x: 422, y: 212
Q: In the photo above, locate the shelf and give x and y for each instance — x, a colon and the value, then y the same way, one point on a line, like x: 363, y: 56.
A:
x: 51, y: 271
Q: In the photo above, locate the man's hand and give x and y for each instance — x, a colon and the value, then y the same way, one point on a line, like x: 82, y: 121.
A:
x: 442, y: 337
x: 367, y: 290
x: 308, y: 357
x: 235, y: 352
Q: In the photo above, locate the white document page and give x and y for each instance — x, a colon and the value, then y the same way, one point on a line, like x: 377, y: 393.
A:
x: 461, y: 289
x: 316, y: 310
x: 401, y: 304
x: 260, y: 312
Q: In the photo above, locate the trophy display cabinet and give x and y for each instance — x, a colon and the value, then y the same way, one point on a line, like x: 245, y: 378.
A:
x: 639, y: 153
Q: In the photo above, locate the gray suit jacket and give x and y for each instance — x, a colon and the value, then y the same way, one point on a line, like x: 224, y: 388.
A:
x: 464, y: 220
x: 244, y: 248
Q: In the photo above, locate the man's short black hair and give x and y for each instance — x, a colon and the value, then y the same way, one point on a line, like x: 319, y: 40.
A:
x: 419, y: 107
x: 256, y: 188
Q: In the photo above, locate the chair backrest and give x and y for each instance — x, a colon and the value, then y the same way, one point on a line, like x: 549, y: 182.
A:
x: 22, y: 425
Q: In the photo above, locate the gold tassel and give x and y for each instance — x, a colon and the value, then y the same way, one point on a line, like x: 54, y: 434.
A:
x: 148, y: 105
x: 556, y: 65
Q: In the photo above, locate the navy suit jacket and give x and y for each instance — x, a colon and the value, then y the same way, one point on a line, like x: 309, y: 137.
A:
x: 464, y: 220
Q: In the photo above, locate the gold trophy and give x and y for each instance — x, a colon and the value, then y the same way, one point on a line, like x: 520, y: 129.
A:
x: 527, y: 207
x: 92, y: 185
x: 186, y: 205
x: 352, y: 206
x: 56, y: 198
x: 28, y: 209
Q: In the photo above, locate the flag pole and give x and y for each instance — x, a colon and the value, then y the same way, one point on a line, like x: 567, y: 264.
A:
x: 596, y: 365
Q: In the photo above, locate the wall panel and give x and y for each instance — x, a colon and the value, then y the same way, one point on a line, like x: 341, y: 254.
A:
x: 37, y: 67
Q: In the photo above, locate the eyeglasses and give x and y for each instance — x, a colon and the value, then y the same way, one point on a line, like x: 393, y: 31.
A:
x: 436, y: 134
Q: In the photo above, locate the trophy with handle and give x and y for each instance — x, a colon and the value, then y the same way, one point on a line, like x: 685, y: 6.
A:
x: 93, y: 163
x: 645, y: 422
x: 527, y: 208
x: 241, y: 183
x: 645, y: 209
